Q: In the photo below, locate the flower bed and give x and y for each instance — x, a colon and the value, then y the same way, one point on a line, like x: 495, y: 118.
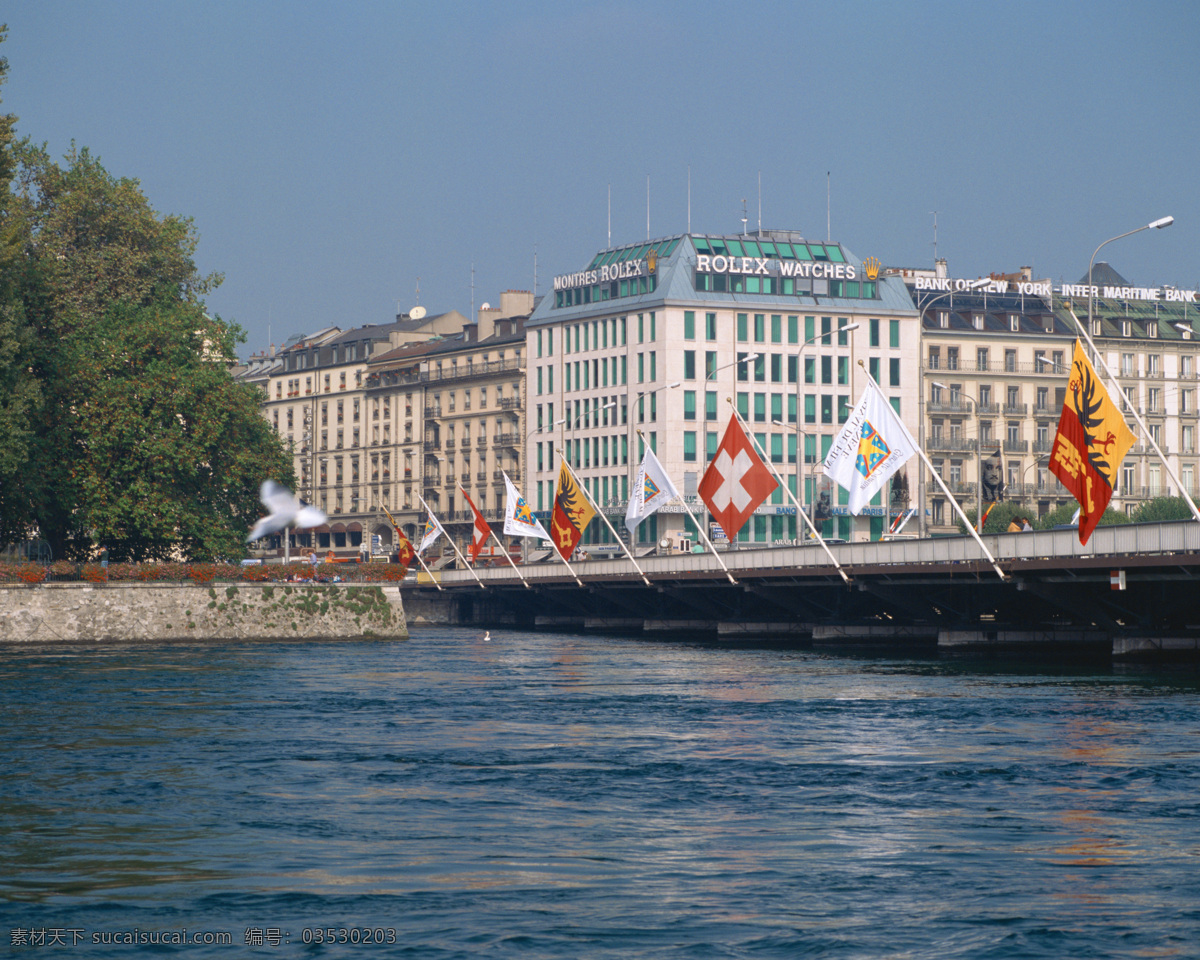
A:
x: 65, y: 571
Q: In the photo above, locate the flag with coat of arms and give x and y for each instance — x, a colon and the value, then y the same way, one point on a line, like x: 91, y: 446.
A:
x: 736, y: 481
x: 652, y: 489
x: 519, y: 520
x: 872, y: 446
x: 433, y: 530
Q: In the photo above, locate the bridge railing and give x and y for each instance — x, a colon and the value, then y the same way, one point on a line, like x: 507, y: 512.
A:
x: 1115, y: 542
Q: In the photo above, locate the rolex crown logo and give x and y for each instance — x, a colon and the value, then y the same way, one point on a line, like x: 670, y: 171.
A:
x: 871, y: 268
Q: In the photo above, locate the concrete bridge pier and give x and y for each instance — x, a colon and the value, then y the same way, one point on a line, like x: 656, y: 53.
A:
x: 1040, y: 642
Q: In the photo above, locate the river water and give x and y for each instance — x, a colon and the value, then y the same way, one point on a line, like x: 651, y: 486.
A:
x: 569, y: 796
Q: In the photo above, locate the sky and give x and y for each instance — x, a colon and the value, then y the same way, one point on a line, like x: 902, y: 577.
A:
x: 342, y: 161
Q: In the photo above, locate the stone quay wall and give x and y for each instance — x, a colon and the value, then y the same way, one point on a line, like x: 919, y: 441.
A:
x: 122, y: 612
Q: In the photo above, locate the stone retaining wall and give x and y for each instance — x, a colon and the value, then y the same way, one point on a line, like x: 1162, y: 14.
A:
x: 85, y: 612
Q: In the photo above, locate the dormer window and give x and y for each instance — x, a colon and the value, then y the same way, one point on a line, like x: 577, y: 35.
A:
x: 977, y: 321
x: 1126, y: 328
x: 1014, y: 322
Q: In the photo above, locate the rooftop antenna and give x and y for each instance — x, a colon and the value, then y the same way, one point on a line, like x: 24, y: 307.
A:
x: 535, y: 271
x: 472, y: 288
x: 827, y: 220
x: 689, y: 198
x: 609, y: 247
x: 935, y: 238
x: 647, y: 206
x: 743, y: 216
x: 760, y: 203
x: 418, y: 291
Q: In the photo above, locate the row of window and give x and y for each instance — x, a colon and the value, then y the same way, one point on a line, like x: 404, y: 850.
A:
x: 786, y: 286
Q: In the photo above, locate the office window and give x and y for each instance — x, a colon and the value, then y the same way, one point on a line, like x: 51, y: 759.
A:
x: 710, y: 405
x: 710, y: 326
x: 743, y: 327
x: 689, y: 364
x: 689, y: 404
x: 760, y: 327
x: 793, y: 329
x: 894, y: 371
x: 873, y: 332
x: 894, y: 333
x: 760, y: 408
x: 689, y: 324
x: 776, y: 328
x: 689, y: 446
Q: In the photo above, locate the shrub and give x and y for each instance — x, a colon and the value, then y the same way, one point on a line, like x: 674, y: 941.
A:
x: 94, y: 573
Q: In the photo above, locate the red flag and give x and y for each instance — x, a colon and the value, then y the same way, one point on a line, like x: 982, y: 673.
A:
x: 404, y: 549
x: 736, y: 481
x: 481, y: 532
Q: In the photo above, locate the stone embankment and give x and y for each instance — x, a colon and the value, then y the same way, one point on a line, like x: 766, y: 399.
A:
x: 120, y: 612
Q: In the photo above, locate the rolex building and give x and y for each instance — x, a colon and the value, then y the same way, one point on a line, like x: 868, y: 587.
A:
x: 652, y: 342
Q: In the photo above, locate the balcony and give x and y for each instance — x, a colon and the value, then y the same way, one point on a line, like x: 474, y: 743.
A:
x: 514, y: 474
x: 509, y: 403
x: 481, y: 442
x: 464, y: 442
x: 951, y: 444
x: 465, y: 476
x: 433, y: 444
x: 433, y: 412
x: 1016, y: 446
x: 1016, y: 409
x: 989, y: 409
x: 506, y: 440
x: 481, y: 476
x: 957, y: 408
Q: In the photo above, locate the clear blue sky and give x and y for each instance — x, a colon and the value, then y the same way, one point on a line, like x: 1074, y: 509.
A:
x: 331, y: 154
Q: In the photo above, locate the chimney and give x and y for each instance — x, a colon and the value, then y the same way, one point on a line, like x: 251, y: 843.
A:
x: 939, y: 268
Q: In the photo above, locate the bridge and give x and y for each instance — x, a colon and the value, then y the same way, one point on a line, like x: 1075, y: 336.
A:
x: 1132, y: 590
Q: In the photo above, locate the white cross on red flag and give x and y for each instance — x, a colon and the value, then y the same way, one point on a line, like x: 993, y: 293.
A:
x: 736, y: 481
x: 480, y: 532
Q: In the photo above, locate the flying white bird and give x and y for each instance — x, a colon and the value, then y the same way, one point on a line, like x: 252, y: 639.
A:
x: 285, y: 511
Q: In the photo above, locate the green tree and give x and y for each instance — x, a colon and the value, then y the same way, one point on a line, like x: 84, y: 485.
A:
x: 173, y: 450
x: 19, y: 391
x: 128, y: 429
x: 1061, y: 516
x: 999, y: 517
x: 1162, y: 508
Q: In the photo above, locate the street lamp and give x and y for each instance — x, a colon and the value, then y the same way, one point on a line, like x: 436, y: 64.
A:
x: 1154, y: 225
x: 1087, y: 333
x: 978, y: 461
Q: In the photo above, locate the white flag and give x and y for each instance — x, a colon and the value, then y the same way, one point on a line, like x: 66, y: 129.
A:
x: 872, y: 446
x: 519, y: 521
x: 652, y: 489
x: 433, y: 530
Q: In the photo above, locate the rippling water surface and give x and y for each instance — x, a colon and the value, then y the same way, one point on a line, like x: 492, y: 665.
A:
x: 553, y: 795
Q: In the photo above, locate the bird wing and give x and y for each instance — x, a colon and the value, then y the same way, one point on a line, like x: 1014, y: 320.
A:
x: 264, y: 526
x: 310, y: 517
x: 277, y: 498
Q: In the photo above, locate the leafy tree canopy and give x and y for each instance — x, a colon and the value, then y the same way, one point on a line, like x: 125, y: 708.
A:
x: 120, y: 424
x: 1061, y: 516
x: 1162, y: 508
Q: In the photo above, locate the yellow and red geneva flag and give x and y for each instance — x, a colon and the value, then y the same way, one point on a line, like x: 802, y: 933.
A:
x: 736, y: 481
x: 1091, y: 442
x: 404, y: 549
x: 572, y: 513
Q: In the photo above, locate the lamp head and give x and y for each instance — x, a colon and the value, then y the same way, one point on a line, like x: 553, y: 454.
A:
x: 1159, y: 224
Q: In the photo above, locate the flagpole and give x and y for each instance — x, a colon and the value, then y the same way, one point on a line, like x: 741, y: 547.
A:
x: 453, y: 545
x: 941, y: 483
x: 1132, y: 409
x: 696, y: 523
x: 415, y: 554
x: 509, y: 559
x: 580, y: 485
x: 770, y: 466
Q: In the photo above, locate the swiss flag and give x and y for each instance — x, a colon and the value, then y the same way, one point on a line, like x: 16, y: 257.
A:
x: 481, y: 531
x: 736, y: 481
